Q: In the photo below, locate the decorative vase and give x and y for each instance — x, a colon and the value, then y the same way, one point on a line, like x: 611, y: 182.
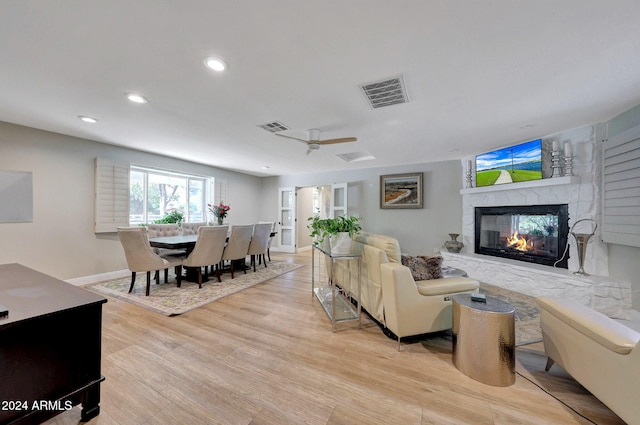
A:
x: 340, y: 243
x: 582, y: 239
x: 453, y: 245
x: 220, y: 221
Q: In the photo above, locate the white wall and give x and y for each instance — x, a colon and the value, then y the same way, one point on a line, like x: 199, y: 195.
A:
x: 419, y: 231
x: 60, y: 240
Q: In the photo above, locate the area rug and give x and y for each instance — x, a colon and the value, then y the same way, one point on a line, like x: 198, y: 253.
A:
x: 170, y: 300
x: 527, y: 312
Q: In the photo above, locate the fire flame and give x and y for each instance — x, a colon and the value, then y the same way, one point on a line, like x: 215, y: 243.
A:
x: 519, y: 243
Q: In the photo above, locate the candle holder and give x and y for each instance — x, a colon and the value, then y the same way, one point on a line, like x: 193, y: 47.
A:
x: 469, y: 184
x: 568, y: 165
x: 556, y: 165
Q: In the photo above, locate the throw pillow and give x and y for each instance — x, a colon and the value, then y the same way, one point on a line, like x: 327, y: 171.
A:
x: 424, y: 267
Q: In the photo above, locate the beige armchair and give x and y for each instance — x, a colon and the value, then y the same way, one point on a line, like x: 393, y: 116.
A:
x: 208, y: 249
x: 141, y: 258
x: 415, y: 308
x: 602, y: 354
x: 259, y: 243
x: 238, y: 245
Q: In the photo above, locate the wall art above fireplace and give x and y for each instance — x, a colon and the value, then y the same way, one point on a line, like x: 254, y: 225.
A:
x: 531, y: 233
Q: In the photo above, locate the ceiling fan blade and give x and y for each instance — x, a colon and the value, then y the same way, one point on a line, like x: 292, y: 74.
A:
x: 300, y: 135
x: 341, y: 140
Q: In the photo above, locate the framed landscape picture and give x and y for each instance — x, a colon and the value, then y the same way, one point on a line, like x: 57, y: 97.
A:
x: 401, y: 190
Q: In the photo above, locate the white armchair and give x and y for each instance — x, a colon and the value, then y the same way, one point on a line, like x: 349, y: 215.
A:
x: 415, y: 308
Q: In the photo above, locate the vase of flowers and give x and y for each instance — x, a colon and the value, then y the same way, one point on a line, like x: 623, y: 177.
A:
x: 219, y: 211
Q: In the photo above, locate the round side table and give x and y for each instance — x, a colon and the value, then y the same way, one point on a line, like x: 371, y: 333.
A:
x: 484, y: 339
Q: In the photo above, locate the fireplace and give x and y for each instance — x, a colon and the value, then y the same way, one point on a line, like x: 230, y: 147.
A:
x: 530, y: 233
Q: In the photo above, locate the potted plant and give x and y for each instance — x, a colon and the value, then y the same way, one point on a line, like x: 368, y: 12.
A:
x: 340, y: 231
x: 318, y: 228
x: 172, y: 217
x: 219, y: 212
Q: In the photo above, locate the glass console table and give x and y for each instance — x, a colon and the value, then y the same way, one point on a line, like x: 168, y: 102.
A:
x: 333, y: 299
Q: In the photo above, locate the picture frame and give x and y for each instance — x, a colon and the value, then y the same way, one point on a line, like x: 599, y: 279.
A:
x: 399, y: 191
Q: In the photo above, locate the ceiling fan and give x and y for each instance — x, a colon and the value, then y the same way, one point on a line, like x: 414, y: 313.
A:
x: 312, y: 138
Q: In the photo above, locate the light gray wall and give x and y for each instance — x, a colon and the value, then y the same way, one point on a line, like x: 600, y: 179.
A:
x: 60, y: 241
x: 419, y: 231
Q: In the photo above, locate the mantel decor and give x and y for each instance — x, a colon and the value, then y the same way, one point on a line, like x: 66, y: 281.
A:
x: 401, y: 191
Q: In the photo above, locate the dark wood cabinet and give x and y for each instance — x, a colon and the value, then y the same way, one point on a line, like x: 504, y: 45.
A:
x: 50, y: 347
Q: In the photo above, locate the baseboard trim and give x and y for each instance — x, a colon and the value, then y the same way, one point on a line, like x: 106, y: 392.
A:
x: 87, y: 280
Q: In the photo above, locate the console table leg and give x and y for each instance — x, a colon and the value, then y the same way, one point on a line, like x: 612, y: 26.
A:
x: 91, y: 403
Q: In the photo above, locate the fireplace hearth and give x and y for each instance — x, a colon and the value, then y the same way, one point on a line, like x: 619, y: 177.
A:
x: 530, y: 233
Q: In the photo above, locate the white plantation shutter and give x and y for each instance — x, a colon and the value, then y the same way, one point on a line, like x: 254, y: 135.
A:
x: 220, y: 192
x: 621, y: 188
x: 111, y: 195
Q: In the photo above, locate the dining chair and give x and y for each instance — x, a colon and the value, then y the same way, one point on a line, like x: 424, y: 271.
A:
x: 158, y: 230
x: 141, y: 257
x: 238, y: 245
x: 208, y: 249
x: 192, y: 228
x: 259, y: 243
x: 273, y: 229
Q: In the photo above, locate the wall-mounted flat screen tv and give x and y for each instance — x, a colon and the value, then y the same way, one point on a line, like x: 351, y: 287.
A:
x: 514, y: 164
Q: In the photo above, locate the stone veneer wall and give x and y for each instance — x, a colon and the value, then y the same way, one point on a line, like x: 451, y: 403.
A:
x: 582, y: 193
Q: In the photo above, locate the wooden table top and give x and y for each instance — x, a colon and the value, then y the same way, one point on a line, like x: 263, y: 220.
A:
x: 27, y: 294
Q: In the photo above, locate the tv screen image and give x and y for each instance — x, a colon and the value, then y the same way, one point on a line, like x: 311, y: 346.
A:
x: 513, y: 164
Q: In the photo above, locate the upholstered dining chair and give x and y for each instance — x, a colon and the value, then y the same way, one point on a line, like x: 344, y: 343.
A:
x: 273, y: 229
x: 192, y: 228
x: 208, y: 249
x: 161, y: 230
x: 259, y: 243
x: 238, y: 245
x: 141, y: 258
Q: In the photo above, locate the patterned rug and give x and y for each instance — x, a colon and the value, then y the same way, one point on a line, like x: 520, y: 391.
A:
x: 170, y: 300
x: 527, y: 313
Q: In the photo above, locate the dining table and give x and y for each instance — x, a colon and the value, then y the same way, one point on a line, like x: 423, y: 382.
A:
x: 186, y: 242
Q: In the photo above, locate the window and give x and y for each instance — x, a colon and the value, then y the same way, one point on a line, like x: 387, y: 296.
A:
x: 155, y: 193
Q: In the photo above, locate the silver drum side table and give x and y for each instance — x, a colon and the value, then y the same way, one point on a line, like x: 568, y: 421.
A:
x: 484, y: 339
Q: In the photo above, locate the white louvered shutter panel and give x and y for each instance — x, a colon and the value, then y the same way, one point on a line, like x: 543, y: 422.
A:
x: 220, y: 192
x: 112, y: 195
x: 621, y: 188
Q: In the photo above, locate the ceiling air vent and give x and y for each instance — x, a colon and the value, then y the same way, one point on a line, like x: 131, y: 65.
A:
x: 274, y: 127
x: 390, y: 91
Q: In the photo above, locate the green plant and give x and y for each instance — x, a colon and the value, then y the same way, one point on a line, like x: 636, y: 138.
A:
x: 323, y: 227
x: 172, y: 217
x: 317, y: 227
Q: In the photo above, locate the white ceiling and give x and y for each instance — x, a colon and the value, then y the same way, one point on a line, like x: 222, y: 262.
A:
x: 479, y: 74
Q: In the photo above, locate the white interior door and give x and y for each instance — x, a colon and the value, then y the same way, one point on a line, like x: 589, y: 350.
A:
x: 287, y: 219
x: 338, y: 200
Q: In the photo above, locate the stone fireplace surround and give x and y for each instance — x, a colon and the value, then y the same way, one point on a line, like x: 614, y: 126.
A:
x: 582, y: 193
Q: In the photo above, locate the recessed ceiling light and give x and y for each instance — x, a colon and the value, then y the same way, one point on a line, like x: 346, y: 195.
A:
x: 87, y: 119
x: 265, y: 167
x: 136, y: 98
x: 216, y: 64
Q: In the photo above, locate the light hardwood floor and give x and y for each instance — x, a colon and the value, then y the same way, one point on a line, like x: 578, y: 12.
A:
x: 267, y: 355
